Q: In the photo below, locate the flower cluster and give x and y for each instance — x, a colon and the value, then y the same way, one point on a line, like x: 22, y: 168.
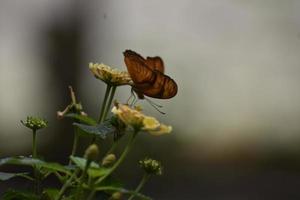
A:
x: 109, y: 75
x: 151, y: 166
x: 135, y: 118
x: 34, y: 123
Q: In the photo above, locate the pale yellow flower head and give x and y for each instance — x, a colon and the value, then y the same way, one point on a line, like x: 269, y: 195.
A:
x: 138, y: 120
x: 109, y: 75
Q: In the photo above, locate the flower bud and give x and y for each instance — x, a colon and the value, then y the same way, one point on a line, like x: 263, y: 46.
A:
x: 116, y: 196
x: 34, y: 123
x: 151, y: 166
x: 109, y: 159
x: 91, y: 153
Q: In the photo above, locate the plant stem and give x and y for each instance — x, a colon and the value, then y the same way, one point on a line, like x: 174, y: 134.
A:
x: 108, y: 87
x: 140, y: 186
x: 113, y: 147
x: 75, y: 142
x: 65, y: 186
x: 112, y: 94
x: 34, y: 154
x: 115, y: 166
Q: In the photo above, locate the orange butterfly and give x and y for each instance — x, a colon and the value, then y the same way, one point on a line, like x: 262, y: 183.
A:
x: 148, y: 76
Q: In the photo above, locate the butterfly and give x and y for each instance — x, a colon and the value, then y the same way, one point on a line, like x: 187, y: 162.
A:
x: 148, y: 76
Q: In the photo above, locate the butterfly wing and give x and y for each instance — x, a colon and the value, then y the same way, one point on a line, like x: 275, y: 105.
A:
x: 163, y: 87
x: 139, y: 72
x: 155, y: 63
x: 148, y: 76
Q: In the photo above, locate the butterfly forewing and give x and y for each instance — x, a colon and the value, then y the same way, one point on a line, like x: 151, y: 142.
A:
x: 139, y: 72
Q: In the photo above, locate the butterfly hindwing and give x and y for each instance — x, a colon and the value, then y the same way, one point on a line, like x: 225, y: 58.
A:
x: 155, y: 63
x: 163, y: 87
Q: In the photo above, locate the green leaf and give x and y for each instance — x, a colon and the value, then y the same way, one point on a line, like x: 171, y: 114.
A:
x: 20, y: 160
x: 50, y: 194
x: 97, y: 172
x: 100, y: 130
x: 81, y: 162
x: 6, y: 176
x: 54, y: 167
x: 94, y: 170
x: 124, y: 191
x: 83, y: 119
x: 15, y: 195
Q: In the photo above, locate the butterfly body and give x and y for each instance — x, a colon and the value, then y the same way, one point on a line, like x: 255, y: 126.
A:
x: 148, y: 76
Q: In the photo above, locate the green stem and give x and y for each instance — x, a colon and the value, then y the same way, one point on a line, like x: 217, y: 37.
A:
x: 112, y: 94
x: 113, y: 147
x: 34, y: 154
x: 108, y: 87
x: 65, y: 187
x: 140, y: 186
x: 115, y: 166
x: 35, y: 170
x: 75, y: 142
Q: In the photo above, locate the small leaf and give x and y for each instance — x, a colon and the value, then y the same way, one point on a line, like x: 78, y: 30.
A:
x: 6, y: 176
x: 94, y: 170
x: 20, y: 160
x: 14, y: 195
x: 101, y: 130
x: 97, y: 172
x: 82, y: 118
x: 81, y: 162
x: 122, y: 190
x: 54, y: 167
x: 50, y: 194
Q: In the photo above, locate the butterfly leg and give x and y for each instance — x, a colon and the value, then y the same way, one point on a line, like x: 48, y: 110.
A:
x: 155, y: 106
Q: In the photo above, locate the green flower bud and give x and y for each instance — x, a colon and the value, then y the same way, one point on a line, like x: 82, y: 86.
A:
x: 91, y: 153
x: 116, y: 196
x: 34, y: 123
x: 151, y: 166
x: 108, y: 160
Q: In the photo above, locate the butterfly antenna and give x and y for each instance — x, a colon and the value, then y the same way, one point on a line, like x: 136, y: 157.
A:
x: 135, y: 100
x: 130, y: 97
x: 155, y: 106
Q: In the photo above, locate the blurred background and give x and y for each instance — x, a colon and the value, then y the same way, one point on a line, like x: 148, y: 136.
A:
x: 236, y: 117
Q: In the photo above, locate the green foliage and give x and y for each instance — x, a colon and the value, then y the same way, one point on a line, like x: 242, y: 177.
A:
x: 124, y: 191
x: 100, y: 131
x: 19, y: 195
x: 50, y: 194
x: 20, y: 160
x: 94, y: 170
x: 81, y: 118
x: 26, y: 161
x: 84, y: 177
x: 4, y: 176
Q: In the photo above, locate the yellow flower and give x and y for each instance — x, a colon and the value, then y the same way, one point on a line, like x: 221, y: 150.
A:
x: 128, y: 115
x: 109, y: 75
x: 161, y: 130
x: 139, y: 121
x: 150, y: 123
